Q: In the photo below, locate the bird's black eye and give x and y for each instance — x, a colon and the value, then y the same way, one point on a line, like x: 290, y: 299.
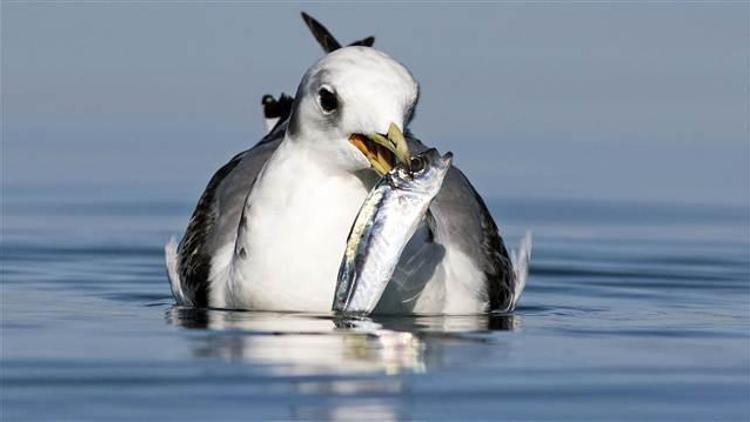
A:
x: 416, y: 164
x: 328, y: 100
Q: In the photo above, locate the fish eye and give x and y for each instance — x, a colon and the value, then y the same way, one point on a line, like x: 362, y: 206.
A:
x: 327, y: 99
x: 416, y: 164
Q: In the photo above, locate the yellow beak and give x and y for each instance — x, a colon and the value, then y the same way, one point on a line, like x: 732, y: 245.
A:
x: 383, y: 152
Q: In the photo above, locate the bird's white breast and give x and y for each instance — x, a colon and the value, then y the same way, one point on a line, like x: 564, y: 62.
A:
x: 297, y: 219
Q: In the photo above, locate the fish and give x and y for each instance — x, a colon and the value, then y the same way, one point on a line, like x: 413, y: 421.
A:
x: 388, y: 218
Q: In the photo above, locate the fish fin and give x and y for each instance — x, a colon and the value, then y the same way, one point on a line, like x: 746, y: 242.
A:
x: 321, y: 34
x: 521, y: 259
x: 172, y: 260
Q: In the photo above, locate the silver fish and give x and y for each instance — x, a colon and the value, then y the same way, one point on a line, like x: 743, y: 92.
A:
x: 387, y: 220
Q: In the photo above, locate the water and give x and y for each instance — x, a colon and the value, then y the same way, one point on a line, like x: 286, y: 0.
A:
x: 633, y: 311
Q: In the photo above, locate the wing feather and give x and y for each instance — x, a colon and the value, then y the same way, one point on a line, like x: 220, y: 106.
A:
x: 216, y: 217
x: 467, y: 223
x: 321, y: 34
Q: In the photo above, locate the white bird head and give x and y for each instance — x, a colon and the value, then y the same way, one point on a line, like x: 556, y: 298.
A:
x: 351, y: 107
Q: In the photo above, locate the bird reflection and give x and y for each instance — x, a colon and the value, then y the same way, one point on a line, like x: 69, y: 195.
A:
x: 307, y: 344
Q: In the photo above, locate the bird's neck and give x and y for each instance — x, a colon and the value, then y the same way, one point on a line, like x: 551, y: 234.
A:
x: 299, y: 175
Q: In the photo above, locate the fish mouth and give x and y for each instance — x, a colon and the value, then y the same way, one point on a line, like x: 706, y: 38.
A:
x: 382, y: 151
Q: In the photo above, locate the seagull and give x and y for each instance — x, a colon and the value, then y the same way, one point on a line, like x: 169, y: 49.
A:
x: 269, y: 231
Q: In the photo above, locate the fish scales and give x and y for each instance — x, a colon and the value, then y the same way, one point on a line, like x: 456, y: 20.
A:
x: 386, y: 221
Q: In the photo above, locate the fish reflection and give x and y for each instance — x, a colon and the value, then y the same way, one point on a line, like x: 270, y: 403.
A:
x: 304, y: 344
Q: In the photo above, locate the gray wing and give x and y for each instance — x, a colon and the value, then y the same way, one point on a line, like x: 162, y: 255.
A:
x: 468, y: 224
x: 216, y: 217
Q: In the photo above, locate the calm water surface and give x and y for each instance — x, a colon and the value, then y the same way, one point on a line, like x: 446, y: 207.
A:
x: 633, y: 311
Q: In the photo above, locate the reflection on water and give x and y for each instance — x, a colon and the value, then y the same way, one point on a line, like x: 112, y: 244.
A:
x: 304, y: 343
x: 630, y: 310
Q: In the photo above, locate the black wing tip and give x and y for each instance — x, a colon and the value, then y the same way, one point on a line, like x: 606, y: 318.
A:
x: 309, y: 20
x: 364, y: 42
x: 324, y: 37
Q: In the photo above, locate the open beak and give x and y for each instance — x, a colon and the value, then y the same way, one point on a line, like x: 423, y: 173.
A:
x: 383, y: 151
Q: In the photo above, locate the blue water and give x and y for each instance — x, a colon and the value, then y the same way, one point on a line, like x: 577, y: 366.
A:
x: 633, y: 311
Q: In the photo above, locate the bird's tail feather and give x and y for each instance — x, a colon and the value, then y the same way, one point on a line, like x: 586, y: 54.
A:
x: 170, y: 256
x: 521, y: 259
